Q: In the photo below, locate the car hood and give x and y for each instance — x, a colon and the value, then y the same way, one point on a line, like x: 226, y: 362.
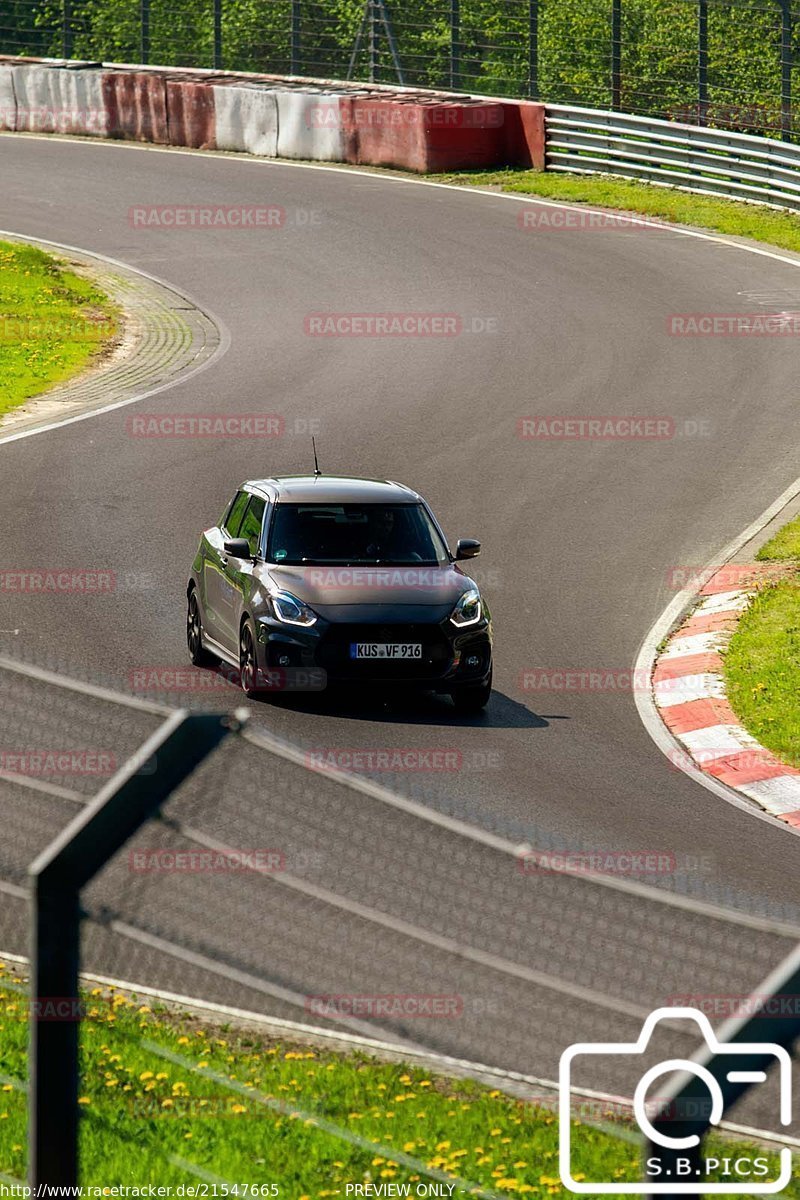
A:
x: 421, y: 588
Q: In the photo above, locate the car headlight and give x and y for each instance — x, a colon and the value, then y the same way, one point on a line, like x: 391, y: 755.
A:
x: 291, y: 611
x: 468, y: 611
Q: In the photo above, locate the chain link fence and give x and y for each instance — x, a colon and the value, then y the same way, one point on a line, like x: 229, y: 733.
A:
x: 727, y: 63
x: 273, y: 883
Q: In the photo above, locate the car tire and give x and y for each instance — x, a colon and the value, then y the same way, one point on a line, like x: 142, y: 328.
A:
x: 472, y: 699
x: 194, y: 633
x: 248, y: 660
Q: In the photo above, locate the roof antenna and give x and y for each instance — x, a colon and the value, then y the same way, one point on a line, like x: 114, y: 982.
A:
x: 317, y: 471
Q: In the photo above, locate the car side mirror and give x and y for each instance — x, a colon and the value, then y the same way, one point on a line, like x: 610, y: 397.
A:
x: 237, y: 548
x: 467, y: 548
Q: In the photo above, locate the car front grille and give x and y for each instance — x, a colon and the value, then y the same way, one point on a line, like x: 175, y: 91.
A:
x: 333, y: 652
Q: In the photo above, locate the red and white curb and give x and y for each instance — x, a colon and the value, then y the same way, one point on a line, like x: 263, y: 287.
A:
x: 689, y: 693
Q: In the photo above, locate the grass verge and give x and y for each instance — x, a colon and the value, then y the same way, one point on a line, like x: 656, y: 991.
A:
x: 167, y: 1099
x: 53, y: 322
x: 784, y: 546
x: 723, y: 216
x: 762, y: 663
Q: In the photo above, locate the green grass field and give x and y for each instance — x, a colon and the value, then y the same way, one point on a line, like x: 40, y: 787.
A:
x: 167, y: 1099
x: 762, y: 663
x: 52, y: 323
x: 723, y: 216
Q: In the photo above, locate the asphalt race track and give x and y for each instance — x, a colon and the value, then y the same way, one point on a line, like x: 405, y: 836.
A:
x: 580, y: 537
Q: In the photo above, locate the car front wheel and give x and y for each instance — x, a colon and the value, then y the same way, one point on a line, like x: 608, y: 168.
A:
x: 248, y: 663
x: 194, y: 633
x: 472, y: 698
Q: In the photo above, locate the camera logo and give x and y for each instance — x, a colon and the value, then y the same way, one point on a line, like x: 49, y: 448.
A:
x: 742, y: 1174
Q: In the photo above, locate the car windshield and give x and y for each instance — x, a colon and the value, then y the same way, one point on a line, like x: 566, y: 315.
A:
x: 354, y: 535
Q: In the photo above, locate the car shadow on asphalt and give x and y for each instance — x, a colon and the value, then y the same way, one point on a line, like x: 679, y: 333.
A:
x: 427, y: 708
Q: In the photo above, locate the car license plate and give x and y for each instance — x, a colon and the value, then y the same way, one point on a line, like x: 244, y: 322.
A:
x: 386, y: 650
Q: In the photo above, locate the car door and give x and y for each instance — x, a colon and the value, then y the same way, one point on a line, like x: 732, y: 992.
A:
x: 237, y: 573
x: 216, y: 601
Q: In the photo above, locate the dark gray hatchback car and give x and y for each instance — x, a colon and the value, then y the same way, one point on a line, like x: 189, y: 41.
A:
x: 313, y: 580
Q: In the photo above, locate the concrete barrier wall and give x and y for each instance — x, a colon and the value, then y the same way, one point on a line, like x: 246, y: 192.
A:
x: 427, y: 135
x: 310, y: 126
x: 524, y: 135
x: 8, y: 99
x: 246, y: 119
x: 55, y: 99
x: 190, y: 113
x: 266, y: 116
x: 136, y: 106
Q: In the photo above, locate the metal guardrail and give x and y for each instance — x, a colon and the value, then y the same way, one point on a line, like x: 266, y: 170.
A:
x: 690, y: 157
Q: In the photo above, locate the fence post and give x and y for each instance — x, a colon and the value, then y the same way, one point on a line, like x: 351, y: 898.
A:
x: 533, y: 49
x: 57, y: 877
x: 144, y: 50
x: 66, y: 29
x: 616, y: 55
x: 702, y: 62
x: 786, y: 70
x: 294, y: 58
x: 455, y: 45
x: 217, y: 35
x: 373, y: 41
x: 53, y: 1067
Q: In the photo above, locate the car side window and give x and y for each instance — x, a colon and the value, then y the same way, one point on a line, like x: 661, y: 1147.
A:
x: 233, y: 523
x: 251, y: 525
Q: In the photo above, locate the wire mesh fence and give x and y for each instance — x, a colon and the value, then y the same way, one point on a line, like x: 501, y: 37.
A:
x: 272, y: 883
x: 728, y: 63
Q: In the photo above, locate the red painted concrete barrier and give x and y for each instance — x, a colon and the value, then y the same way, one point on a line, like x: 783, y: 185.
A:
x: 190, y: 113
x: 136, y: 106
x: 424, y: 135
x: 524, y: 135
